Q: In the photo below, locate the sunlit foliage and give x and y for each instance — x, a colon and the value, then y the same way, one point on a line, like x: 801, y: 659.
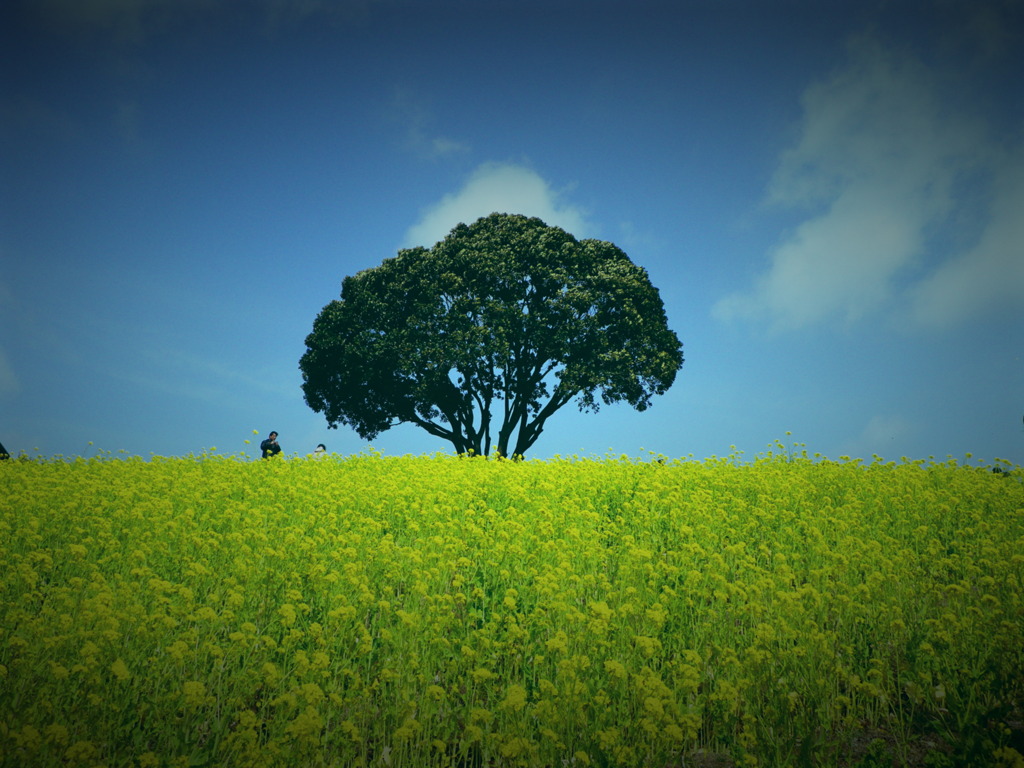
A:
x: 467, y: 612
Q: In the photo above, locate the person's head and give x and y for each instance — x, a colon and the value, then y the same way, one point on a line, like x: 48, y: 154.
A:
x: 273, y: 435
x: 321, y: 447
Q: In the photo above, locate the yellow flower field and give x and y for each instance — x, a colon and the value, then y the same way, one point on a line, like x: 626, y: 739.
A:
x: 438, y: 611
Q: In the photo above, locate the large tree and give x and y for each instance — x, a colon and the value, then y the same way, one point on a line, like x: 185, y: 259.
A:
x: 498, y: 325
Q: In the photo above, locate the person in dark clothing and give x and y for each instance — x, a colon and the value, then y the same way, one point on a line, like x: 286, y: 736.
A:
x: 269, y: 447
x: 3, y: 452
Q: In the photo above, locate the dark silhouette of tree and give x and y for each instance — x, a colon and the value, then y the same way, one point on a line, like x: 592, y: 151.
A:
x: 497, y: 326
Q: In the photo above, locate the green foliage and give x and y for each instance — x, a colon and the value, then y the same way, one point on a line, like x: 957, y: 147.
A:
x: 507, y: 319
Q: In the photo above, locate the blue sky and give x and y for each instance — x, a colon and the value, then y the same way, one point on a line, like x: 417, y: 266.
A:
x: 827, y: 195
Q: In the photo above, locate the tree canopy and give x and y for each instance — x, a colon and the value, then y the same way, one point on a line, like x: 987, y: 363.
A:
x: 496, y: 327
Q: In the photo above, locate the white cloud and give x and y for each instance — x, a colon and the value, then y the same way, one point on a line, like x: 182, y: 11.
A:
x: 882, y: 162
x: 990, y: 275
x: 838, y: 263
x: 497, y: 188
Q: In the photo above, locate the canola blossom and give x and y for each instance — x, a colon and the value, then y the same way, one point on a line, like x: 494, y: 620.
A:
x: 442, y: 611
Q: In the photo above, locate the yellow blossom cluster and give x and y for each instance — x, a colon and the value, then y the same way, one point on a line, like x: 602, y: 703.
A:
x: 446, y: 611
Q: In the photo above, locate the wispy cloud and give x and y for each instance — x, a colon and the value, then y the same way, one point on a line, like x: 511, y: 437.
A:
x: 500, y: 188
x: 883, y: 435
x: 990, y: 275
x: 135, y: 22
x: 413, y: 113
x: 428, y: 147
x: 887, y: 167
x: 185, y: 374
x: 9, y: 384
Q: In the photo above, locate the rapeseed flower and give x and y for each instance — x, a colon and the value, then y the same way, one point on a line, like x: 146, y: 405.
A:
x: 120, y: 670
x: 515, y: 699
x: 537, y: 612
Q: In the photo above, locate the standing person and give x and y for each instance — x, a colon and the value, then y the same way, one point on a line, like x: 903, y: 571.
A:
x: 320, y: 451
x: 270, y: 446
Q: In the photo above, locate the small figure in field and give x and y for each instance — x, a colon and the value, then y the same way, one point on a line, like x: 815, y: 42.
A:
x: 270, y: 446
x: 320, y: 451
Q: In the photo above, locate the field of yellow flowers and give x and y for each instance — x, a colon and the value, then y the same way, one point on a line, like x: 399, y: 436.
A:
x: 440, y: 611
